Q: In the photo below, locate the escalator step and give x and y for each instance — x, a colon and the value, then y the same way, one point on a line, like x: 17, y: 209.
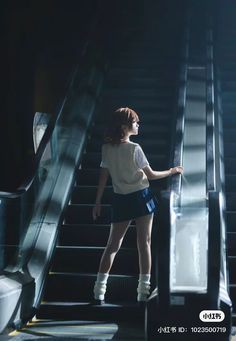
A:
x: 86, y: 260
x: 229, y: 150
x: 230, y: 183
x: 89, y: 177
x: 60, y: 287
x: 231, y: 219
x: 231, y: 201
x: 87, y: 194
x: 149, y: 94
x: 84, y: 311
x: 82, y: 214
x: 230, y: 165
x: 231, y: 242
x: 116, y: 81
x: 232, y: 266
x: 232, y: 291
x: 159, y: 145
x: 74, y: 235
x: 93, y: 160
x: 147, y: 130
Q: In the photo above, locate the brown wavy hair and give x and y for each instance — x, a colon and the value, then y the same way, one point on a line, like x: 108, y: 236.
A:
x: 119, y: 118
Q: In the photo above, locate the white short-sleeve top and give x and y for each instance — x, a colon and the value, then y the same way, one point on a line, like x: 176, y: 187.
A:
x: 125, y: 163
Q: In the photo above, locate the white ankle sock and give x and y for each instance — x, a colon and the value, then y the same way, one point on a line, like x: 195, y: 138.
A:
x: 143, y: 289
x: 100, y: 286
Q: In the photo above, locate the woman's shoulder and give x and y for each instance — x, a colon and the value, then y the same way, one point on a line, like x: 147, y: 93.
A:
x: 130, y: 144
x: 134, y: 145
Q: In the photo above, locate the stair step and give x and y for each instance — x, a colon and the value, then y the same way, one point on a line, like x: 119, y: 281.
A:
x: 93, y: 160
x: 80, y: 235
x: 89, y: 177
x: 232, y: 291
x: 231, y: 243
x: 158, y: 145
x: 230, y: 183
x: 132, y: 94
x: 145, y: 129
x: 85, y: 311
x: 87, y: 194
x: 229, y: 134
x: 144, y: 82
x: 82, y: 214
x: 231, y: 201
x: 86, y: 260
x: 232, y: 269
x: 230, y: 165
x: 229, y: 149
x: 60, y: 287
x: 228, y: 85
x: 229, y: 119
x: 231, y: 221
x: 150, y: 130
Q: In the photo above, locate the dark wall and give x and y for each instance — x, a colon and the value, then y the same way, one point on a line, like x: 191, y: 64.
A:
x: 40, y: 44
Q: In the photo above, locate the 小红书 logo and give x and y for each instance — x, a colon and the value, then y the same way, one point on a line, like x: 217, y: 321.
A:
x: 212, y: 316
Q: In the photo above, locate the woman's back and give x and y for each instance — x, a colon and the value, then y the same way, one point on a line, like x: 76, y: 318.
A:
x: 122, y: 161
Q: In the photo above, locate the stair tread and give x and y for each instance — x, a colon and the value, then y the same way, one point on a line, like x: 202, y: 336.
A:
x: 87, y: 303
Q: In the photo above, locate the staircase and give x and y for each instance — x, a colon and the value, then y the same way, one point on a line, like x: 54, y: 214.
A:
x: 143, y: 75
x: 226, y: 51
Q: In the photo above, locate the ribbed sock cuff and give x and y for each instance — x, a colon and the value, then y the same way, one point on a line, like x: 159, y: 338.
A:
x: 100, y: 286
x: 102, y: 277
x: 145, y: 278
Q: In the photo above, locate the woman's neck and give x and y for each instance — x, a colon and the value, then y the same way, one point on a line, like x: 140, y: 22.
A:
x: 124, y: 140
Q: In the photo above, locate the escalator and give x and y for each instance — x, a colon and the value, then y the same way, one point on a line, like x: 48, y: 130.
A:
x: 143, y: 75
x: 226, y: 52
x: 192, y: 300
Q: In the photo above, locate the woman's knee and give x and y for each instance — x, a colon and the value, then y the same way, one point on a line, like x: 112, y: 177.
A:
x: 144, y: 243
x: 113, y: 246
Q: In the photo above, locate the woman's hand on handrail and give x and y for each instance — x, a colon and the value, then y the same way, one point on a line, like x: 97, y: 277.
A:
x: 176, y: 170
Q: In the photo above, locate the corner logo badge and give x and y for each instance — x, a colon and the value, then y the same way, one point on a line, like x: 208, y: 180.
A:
x: 212, y: 316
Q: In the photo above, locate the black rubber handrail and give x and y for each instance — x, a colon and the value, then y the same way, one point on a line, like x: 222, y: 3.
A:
x: 215, y: 172
x: 177, y: 154
x: 210, y: 114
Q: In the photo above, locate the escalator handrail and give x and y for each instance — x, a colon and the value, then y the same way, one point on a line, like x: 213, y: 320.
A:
x: 24, y: 187
x: 215, y: 172
x: 177, y: 152
x: 210, y: 115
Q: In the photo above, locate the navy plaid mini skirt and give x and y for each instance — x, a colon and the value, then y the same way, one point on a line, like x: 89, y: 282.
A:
x: 133, y: 205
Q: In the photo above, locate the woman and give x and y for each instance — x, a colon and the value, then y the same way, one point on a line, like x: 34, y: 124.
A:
x: 130, y: 172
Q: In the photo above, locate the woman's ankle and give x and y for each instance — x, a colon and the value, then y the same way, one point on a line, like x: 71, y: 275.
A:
x: 143, y: 289
x: 100, y: 286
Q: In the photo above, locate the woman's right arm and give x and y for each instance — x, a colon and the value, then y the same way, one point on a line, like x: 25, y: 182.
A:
x: 103, y: 177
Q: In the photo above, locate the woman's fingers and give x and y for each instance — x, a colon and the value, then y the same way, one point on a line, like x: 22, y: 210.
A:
x: 96, y: 211
x: 177, y: 170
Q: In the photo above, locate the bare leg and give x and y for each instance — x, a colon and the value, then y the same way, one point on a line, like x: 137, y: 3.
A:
x: 144, y: 230
x: 114, y: 242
